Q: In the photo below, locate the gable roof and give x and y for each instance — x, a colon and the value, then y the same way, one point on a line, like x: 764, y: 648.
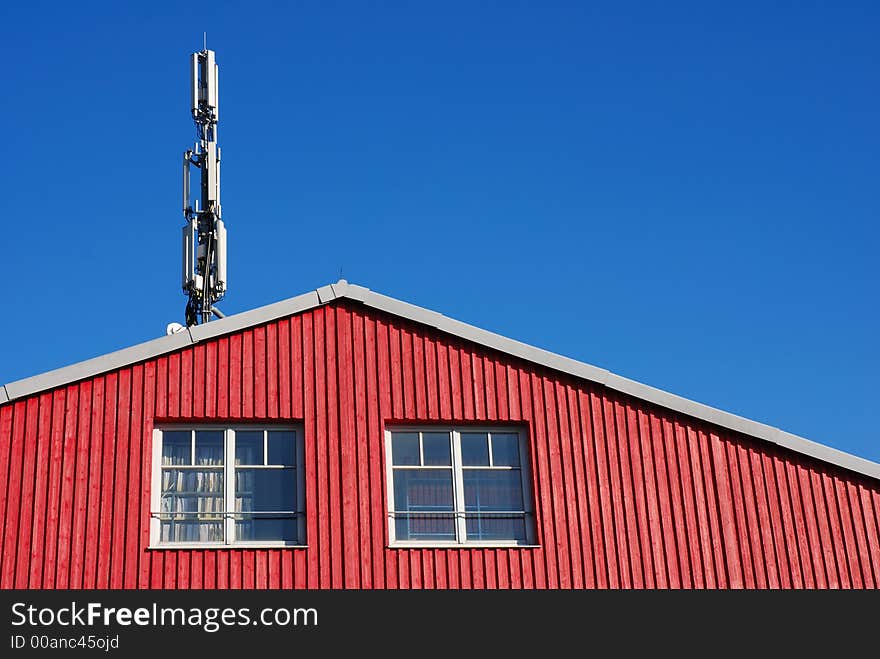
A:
x: 343, y: 290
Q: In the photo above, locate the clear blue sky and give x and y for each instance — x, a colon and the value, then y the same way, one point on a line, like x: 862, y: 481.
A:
x: 683, y: 193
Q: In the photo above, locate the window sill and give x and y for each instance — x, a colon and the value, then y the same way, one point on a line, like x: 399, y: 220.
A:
x: 214, y: 546
x: 459, y: 545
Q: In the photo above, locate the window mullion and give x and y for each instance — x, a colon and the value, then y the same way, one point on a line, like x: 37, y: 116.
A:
x: 458, y: 488
x: 229, y: 476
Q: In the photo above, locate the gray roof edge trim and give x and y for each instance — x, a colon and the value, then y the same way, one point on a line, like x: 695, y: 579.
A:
x: 342, y: 289
x: 485, y: 337
x: 97, y: 365
x: 256, y: 316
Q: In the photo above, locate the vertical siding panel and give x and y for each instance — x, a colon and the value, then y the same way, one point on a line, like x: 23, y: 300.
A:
x: 713, y: 509
x: 456, y: 395
x: 742, y: 529
x: 260, y: 380
x: 135, y: 482
x: 861, y: 527
x: 26, y: 497
x: 667, y: 522
x: 488, y: 375
x: 431, y: 379
x: 546, y: 484
x: 261, y: 569
x: 872, y: 530
x: 81, y: 481
x: 209, y: 570
x: 332, y: 411
x: 284, y: 382
x: 323, y: 498
x: 210, y: 389
x: 395, y: 371
x: 678, y: 523
x: 199, y: 390
x: 120, y: 488
x: 826, y: 541
x: 42, y: 443
x: 805, y: 503
x: 375, y: 363
x: 776, y: 525
x: 223, y: 571
x: 808, y: 538
x: 835, y: 536
x: 629, y: 505
x: 586, y: 570
x: 419, y: 376
x: 145, y: 464
x: 408, y: 374
x: 444, y: 395
x: 161, y: 410
x: 692, y: 533
x: 297, y: 370
x: 589, y: 455
x: 196, y: 577
x: 235, y: 561
x: 727, y: 513
x: 558, y: 484
x: 661, y: 577
x: 271, y: 367
x: 249, y: 385
x: 13, y: 495
x: 641, y: 509
x: 68, y: 471
x: 172, y: 408
x: 6, y: 444
x: 701, y: 505
x: 603, y: 491
x: 764, y: 524
x: 224, y: 386
x: 386, y: 395
x: 513, y: 405
x: 533, y: 574
x: 273, y: 567
x: 186, y: 383
x: 169, y: 577
x: 783, y: 496
x: 570, y: 497
x: 479, y: 389
x: 851, y: 548
x: 105, y: 540
x: 236, y: 375
x: 349, y: 440
x: 750, y: 529
x: 616, y: 492
x: 467, y: 385
x: 157, y: 569
x: 315, y: 498
x: 248, y: 569
x: 363, y: 551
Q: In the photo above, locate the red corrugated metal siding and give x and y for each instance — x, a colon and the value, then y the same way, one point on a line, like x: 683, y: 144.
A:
x: 628, y: 495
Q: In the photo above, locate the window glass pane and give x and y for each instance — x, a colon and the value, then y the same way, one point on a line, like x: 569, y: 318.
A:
x: 209, y: 447
x: 176, y: 447
x: 280, y: 449
x: 405, y: 448
x: 491, y: 489
x: 189, y: 481
x: 265, y: 528
x: 505, y: 449
x: 475, y: 449
x: 265, y: 489
x: 496, y: 527
x: 249, y: 447
x: 419, y: 526
x: 191, y: 530
x: 422, y: 490
x: 435, y: 446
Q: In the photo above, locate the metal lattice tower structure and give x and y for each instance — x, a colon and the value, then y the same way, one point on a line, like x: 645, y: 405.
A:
x: 204, y: 235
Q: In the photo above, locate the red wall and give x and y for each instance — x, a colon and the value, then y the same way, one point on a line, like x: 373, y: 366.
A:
x: 628, y: 495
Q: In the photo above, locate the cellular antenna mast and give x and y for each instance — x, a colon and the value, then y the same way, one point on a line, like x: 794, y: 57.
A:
x: 204, y: 235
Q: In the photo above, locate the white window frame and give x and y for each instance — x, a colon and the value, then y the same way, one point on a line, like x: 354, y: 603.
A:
x: 229, y: 486
x: 461, y: 540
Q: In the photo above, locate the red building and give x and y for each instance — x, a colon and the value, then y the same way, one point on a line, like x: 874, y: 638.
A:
x: 344, y: 439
